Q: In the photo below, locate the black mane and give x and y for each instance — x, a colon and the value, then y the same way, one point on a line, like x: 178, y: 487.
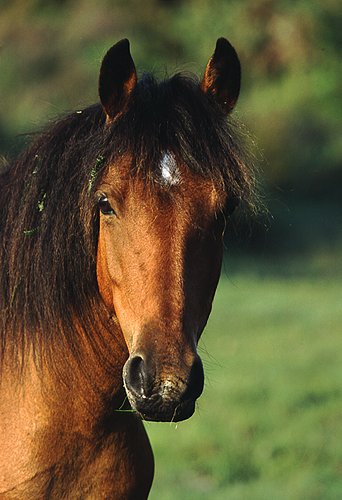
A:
x: 49, y: 221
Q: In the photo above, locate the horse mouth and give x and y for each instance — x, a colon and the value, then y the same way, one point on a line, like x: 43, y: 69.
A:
x: 159, y: 411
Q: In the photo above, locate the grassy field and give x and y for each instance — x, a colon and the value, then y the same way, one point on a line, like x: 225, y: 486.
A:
x: 269, y: 424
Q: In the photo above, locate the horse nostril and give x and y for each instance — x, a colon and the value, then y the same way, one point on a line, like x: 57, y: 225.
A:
x: 136, y: 376
x: 195, y: 381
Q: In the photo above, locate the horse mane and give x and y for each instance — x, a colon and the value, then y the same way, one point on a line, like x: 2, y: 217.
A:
x: 49, y: 220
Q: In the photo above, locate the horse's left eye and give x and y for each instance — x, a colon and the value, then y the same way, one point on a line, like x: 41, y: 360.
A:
x: 231, y: 203
x: 104, y: 206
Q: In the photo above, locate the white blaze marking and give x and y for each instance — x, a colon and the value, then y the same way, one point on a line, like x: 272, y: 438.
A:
x: 169, y: 170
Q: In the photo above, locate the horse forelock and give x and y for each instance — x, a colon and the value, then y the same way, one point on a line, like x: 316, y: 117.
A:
x: 49, y: 219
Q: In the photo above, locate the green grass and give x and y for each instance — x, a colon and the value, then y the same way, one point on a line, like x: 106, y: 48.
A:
x: 269, y: 424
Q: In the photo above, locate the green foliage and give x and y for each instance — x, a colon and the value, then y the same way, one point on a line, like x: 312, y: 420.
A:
x: 291, y: 96
x: 269, y: 423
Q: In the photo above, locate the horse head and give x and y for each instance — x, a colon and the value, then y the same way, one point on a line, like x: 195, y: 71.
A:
x: 160, y: 238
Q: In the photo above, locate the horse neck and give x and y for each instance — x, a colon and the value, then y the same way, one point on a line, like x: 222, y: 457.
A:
x: 43, y: 411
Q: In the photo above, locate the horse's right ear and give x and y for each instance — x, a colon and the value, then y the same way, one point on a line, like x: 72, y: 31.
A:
x: 117, y: 80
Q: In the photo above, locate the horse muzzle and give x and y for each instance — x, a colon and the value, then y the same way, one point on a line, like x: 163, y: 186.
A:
x: 167, y: 398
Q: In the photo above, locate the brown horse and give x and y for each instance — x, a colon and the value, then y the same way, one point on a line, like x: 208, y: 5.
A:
x: 110, y: 248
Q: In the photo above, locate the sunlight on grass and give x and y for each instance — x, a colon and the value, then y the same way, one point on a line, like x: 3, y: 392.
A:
x: 269, y: 423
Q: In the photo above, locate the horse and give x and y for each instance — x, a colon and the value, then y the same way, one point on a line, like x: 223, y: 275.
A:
x: 111, y: 244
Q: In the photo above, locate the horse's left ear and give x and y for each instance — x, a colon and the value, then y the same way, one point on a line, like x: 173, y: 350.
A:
x: 222, y: 76
x: 117, y: 80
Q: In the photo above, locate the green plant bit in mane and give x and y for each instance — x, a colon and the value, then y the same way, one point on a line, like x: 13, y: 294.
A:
x: 30, y: 232
x: 40, y: 204
x: 93, y: 172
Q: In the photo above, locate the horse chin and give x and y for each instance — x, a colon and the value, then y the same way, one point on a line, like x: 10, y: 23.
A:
x: 160, y: 411
x: 183, y: 411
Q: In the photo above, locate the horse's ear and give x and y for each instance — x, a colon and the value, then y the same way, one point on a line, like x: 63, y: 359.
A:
x: 222, y: 76
x: 117, y: 80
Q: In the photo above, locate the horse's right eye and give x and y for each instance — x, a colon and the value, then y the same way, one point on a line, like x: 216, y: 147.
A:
x: 104, y: 206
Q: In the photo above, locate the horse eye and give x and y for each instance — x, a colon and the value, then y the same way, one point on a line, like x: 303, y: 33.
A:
x: 104, y: 205
x: 231, y: 204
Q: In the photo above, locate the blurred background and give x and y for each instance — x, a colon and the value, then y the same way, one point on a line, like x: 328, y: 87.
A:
x: 269, y: 425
